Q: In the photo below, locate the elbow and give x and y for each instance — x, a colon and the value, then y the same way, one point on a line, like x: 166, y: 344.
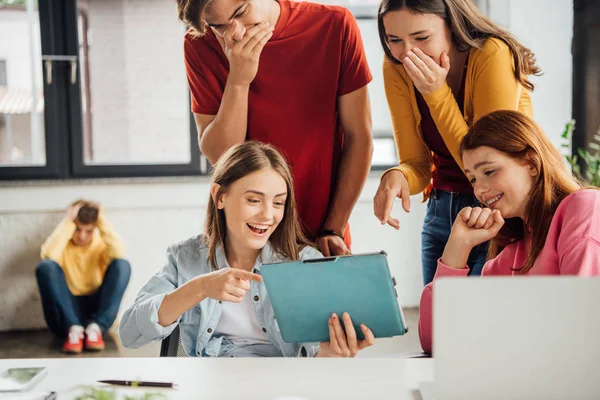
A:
x: 425, y: 336
x: 426, y: 319
x: 360, y: 141
x: 207, y: 150
x: 129, y: 335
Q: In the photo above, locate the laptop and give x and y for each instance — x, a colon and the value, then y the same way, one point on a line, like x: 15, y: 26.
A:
x: 516, y: 338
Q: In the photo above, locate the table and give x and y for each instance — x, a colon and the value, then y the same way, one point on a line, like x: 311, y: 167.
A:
x: 243, y: 378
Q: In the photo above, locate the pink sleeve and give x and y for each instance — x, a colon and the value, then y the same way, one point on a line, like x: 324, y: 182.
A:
x: 425, y: 310
x: 578, y: 244
x: 581, y: 258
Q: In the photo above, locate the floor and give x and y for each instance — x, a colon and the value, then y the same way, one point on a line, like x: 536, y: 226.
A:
x: 42, y: 344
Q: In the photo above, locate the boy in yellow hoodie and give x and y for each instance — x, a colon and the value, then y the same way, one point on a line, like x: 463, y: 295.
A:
x: 82, y: 277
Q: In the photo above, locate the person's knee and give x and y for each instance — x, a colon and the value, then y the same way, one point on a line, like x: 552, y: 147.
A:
x: 46, y: 269
x: 121, y: 267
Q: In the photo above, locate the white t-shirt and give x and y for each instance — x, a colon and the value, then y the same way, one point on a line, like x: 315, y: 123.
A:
x: 239, y: 324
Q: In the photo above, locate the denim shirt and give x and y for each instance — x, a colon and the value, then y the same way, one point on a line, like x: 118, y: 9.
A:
x: 185, y: 261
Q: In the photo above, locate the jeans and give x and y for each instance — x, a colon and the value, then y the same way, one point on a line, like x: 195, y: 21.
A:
x: 442, y: 209
x: 62, y: 309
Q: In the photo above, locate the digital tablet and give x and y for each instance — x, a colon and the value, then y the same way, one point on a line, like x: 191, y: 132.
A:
x: 305, y: 293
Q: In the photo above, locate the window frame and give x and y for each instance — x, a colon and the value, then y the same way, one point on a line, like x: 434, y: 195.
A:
x: 63, y: 119
x: 369, y: 12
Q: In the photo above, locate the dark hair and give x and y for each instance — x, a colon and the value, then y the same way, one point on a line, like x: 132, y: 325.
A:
x: 239, y: 161
x: 469, y: 29
x: 520, y: 138
x: 191, y: 12
x: 88, y: 213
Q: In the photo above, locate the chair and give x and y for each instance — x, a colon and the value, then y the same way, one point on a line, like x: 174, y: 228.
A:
x: 171, y: 345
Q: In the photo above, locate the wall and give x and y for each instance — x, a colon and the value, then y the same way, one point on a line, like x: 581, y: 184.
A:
x: 547, y: 29
x: 149, y: 217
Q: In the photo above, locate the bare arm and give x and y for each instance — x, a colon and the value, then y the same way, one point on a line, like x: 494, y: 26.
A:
x: 217, y: 133
x: 180, y: 300
x: 355, y: 117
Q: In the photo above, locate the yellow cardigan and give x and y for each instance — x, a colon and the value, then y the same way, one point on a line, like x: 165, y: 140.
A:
x: 490, y: 85
x: 84, y: 267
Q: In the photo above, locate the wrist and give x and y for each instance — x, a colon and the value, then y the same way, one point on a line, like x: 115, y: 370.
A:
x: 456, y: 253
x: 331, y: 232
x: 238, y: 84
x: 199, y: 288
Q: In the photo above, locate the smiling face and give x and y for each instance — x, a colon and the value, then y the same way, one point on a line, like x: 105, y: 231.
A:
x: 407, y: 29
x: 501, y: 182
x: 243, y: 13
x: 254, y: 206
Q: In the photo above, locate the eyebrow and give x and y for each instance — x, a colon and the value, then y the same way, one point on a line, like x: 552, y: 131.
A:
x: 237, y: 10
x: 480, y: 164
x: 410, y: 34
x: 262, y: 194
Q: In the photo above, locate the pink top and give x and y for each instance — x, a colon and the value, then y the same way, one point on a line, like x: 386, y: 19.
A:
x: 572, y: 248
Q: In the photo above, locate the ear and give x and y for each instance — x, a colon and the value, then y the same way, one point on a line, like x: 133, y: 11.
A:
x: 533, y: 163
x: 214, y: 190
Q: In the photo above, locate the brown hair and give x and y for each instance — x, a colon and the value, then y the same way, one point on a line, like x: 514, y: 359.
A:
x: 239, y: 161
x: 469, y: 29
x: 191, y: 12
x: 520, y: 138
x: 88, y: 213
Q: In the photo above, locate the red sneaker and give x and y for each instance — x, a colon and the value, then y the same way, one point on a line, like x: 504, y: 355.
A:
x: 74, y: 342
x: 93, y: 338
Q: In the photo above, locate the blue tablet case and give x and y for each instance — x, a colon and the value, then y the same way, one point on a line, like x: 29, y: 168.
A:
x: 305, y: 293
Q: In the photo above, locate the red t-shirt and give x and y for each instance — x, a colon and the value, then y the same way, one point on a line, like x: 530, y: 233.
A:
x: 315, y: 55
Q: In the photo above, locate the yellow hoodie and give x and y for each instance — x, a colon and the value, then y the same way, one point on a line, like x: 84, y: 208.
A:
x: 84, y: 266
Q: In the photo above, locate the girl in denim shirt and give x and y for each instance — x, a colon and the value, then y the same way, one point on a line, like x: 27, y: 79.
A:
x: 211, y: 284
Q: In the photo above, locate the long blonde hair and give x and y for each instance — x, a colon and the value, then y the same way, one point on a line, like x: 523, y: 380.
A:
x: 469, y: 29
x: 239, y: 161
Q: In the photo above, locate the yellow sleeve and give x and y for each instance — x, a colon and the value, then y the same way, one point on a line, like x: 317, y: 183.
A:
x: 415, y: 158
x: 58, y: 240
x: 494, y: 88
x: 114, y: 244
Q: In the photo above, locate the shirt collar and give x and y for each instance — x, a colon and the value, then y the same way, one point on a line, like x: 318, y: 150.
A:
x: 267, y: 255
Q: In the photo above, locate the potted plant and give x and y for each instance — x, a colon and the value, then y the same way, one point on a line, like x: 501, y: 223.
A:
x: 590, y: 159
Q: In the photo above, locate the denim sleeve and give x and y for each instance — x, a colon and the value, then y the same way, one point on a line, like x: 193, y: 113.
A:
x: 308, y: 349
x: 308, y: 253
x: 139, y: 325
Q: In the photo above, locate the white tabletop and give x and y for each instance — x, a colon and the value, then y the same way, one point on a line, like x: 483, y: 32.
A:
x: 236, y: 378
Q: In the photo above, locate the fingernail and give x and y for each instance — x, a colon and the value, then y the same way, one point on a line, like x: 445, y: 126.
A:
x: 346, y: 315
x: 410, y: 53
x: 333, y: 316
x: 363, y: 327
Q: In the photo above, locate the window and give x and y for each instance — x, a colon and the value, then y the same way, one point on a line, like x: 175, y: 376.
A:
x: 21, y: 99
x: 384, y: 147
x: 113, y: 77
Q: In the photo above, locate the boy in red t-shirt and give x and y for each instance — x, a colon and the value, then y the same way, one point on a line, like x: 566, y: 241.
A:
x: 292, y: 74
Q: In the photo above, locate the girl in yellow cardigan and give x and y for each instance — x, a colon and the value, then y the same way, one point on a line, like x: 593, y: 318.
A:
x: 82, y: 277
x: 445, y: 67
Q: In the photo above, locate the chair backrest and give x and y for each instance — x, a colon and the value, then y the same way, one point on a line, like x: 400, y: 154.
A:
x: 171, y: 345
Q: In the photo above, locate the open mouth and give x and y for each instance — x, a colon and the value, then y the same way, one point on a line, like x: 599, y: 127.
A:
x: 491, y: 202
x: 259, y: 229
